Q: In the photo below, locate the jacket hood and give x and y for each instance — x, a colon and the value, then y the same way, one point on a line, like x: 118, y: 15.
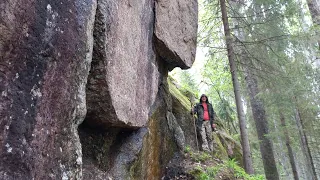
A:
x: 207, y: 101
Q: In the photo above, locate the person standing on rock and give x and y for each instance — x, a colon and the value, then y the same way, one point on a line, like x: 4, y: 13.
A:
x: 205, y: 114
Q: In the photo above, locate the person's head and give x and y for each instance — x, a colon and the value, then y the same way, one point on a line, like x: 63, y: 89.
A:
x: 204, y: 98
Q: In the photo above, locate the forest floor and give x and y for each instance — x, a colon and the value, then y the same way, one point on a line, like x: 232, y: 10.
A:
x: 199, y: 165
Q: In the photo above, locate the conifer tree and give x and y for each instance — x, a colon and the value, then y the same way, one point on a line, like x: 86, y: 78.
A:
x: 247, y: 161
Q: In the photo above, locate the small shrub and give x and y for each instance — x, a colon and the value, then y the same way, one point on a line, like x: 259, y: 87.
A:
x: 239, y: 172
x: 212, y: 171
x: 187, y: 149
x: 197, y: 157
x: 204, y: 156
x: 203, y: 176
x: 199, y: 173
x: 257, y: 177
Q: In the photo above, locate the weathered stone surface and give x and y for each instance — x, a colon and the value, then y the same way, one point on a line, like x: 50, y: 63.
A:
x: 159, y: 143
x: 45, y: 51
x: 181, y: 108
x: 175, y: 128
x: 123, y: 81
x: 109, y: 153
x: 232, y: 147
x: 127, y: 154
x: 130, y: 154
x: 45, y: 55
x: 176, y: 23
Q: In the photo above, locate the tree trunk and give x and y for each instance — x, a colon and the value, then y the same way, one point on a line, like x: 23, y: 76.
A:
x: 258, y: 111
x: 314, y: 145
x: 247, y: 160
x: 282, y: 158
x: 314, y: 8
x: 257, y: 107
x: 259, y: 116
x: 304, y: 144
x: 288, y: 144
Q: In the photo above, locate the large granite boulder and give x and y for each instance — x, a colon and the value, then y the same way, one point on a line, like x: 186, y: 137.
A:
x: 124, y: 76
x: 118, y: 153
x: 45, y: 51
x: 128, y: 129
x: 176, y: 23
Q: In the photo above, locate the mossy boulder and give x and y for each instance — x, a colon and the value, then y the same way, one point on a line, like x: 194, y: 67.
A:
x: 181, y: 109
x: 233, y: 147
x: 220, y: 150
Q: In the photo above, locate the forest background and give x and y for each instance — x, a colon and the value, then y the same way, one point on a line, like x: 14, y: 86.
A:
x: 275, y: 47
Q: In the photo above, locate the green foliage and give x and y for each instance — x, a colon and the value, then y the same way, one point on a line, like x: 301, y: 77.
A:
x: 199, y: 173
x: 187, y: 149
x: 200, y: 157
x: 203, y: 176
x: 215, y: 72
x: 212, y: 171
x: 239, y: 172
x: 187, y: 82
x: 216, y: 75
x: 177, y: 93
x: 204, y: 156
x: 230, y: 170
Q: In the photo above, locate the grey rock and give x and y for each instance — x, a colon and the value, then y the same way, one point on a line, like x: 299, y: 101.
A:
x: 186, y: 123
x: 159, y: 143
x: 109, y: 153
x: 123, y: 82
x: 176, y: 130
x: 176, y: 23
x: 46, y: 91
x: 45, y: 51
x: 128, y: 153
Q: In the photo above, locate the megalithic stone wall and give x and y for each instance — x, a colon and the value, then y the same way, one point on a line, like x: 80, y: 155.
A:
x: 124, y: 77
x: 99, y: 63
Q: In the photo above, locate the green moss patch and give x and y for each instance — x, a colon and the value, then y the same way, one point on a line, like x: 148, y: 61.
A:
x: 174, y: 91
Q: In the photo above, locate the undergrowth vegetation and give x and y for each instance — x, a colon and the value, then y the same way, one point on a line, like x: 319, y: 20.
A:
x: 229, y: 169
x: 216, y: 169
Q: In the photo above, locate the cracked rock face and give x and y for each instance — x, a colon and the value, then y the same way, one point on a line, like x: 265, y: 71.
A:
x: 176, y: 23
x: 45, y: 52
x: 123, y: 80
x: 101, y: 60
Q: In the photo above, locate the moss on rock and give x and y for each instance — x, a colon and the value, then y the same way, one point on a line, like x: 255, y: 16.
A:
x: 234, y: 149
x: 158, y: 148
x: 220, y: 150
x: 175, y: 92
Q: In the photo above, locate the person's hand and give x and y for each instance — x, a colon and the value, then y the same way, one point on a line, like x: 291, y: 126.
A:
x: 214, y: 125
